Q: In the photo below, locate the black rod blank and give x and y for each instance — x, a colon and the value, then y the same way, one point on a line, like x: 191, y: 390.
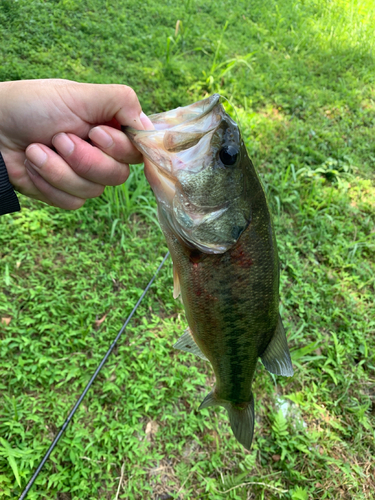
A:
x: 79, y: 401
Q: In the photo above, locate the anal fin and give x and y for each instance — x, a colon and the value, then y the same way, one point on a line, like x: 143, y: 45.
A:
x: 187, y: 343
x: 276, y: 358
x: 209, y: 400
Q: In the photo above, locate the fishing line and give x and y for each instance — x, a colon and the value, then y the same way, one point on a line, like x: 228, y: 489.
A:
x: 79, y: 401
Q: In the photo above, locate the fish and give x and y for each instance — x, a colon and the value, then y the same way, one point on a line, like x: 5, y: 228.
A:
x: 213, y: 211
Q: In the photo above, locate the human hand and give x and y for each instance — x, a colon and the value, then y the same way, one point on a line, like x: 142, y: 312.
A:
x: 44, y: 130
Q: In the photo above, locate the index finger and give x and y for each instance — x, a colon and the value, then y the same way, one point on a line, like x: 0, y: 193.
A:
x: 100, y: 103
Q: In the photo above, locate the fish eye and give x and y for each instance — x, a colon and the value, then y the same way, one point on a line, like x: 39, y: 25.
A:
x: 228, y: 155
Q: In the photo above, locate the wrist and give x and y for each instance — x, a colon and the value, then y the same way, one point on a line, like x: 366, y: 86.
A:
x: 5, y: 88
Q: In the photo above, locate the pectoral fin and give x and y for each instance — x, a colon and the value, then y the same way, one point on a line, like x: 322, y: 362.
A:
x: 276, y: 358
x: 187, y: 343
x: 176, y: 283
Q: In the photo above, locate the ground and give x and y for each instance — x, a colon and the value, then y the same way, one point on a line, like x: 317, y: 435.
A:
x: 299, y: 76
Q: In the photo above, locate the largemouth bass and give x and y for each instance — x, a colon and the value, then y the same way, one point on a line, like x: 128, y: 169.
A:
x: 214, y: 214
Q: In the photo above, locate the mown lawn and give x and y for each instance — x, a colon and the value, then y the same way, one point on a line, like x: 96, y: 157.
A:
x: 301, y: 78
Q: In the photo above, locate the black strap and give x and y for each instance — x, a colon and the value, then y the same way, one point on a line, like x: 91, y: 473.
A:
x: 8, y: 198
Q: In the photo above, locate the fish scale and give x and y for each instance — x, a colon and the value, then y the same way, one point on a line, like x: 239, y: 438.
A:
x: 214, y: 214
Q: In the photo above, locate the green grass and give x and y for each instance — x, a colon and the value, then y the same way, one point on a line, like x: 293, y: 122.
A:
x: 300, y: 77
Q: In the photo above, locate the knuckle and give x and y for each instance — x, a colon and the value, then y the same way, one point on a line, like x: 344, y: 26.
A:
x: 78, y: 204
x: 72, y: 204
x: 119, y: 174
x: 82, y: 162
x: 97, y: 191
x: 129, y: 94
x: 56, y: 176
x: 125, y: 89
x: 123, y: 176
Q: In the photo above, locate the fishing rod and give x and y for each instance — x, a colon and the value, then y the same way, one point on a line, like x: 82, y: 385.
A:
x: 89, y: 384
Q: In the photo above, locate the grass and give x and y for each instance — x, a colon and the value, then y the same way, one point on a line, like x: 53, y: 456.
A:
x: 300, y: 77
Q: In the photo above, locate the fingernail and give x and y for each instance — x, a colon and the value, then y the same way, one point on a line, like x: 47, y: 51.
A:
x: 63, y: 144
x: 36, y: 156
x: 146, y: 122
x: 101, y: 138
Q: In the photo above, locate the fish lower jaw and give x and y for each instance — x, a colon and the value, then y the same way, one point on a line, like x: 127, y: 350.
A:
x: 162, y: 185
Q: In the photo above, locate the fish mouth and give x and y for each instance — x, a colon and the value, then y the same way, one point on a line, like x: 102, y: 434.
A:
x: 183, y: 119
x: 185, y: 114
x: 172, y: 145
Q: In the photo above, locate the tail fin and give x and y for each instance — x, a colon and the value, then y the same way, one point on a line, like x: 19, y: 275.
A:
x: 241, y: 417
